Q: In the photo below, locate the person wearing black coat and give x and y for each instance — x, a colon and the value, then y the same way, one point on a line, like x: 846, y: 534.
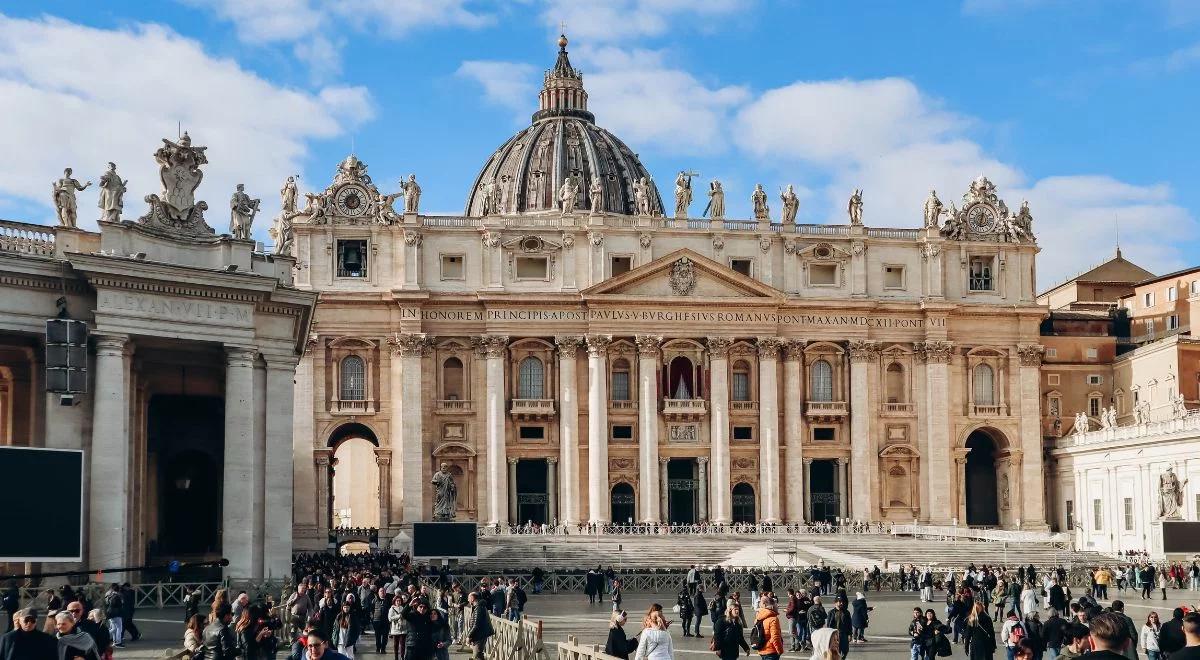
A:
x: 980, y: 635
x: 419, y: 643
x: 1054, y: 632
x: 700, y: 607
x: 26, y: 642
x: 729, y: 638
x: 219, y: 643
x: 684, y: 603
x: 1170, y: 634
x: 618, y: 644
x: 478, y: 626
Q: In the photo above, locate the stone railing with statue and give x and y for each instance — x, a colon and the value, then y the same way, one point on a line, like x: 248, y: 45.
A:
x: 1182, y: 422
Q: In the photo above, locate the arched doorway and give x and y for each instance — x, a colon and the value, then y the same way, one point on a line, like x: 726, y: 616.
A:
x: 621, y: 503
x: 354, y: 477
x: 185, y: 454
x: 743, y: 503
x: 980, y: 484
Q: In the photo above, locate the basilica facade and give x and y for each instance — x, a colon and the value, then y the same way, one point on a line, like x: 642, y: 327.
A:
x: 576, y: 350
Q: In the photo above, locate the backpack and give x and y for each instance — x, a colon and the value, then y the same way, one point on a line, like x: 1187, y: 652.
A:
x: 758, y: 636
x: 1016, y: 634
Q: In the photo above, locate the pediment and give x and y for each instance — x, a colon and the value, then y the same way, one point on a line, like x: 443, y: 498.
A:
x: 684, y: 275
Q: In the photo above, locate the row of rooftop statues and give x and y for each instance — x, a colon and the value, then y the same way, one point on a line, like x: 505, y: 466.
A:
x: 1141, y: 415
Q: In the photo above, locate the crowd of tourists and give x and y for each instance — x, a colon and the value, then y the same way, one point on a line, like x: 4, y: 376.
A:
x: 74, y: 627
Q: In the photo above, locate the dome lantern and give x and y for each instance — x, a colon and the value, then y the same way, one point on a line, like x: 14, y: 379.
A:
x: 562, y: 92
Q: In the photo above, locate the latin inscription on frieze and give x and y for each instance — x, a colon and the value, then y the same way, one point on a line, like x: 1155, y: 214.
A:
x: 150, y: 306
x: 642, y: 315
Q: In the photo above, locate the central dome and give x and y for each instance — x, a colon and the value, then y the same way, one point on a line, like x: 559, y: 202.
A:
x: 525, y: 173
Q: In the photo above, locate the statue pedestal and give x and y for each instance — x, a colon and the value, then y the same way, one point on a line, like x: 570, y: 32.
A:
x: 1154, y: 543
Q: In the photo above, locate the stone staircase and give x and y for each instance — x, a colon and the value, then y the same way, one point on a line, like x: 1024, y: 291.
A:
x: 498, y: 554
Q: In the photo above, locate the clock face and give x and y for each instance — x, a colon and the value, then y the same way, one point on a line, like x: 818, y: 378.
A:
x: 981, y: 219
x: 351, y: 200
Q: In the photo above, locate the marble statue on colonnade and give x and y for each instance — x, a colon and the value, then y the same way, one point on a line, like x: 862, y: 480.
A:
x: 64, y: 198
x: 112, y: 194
x: 855, y: 207
x: 242, y: 210
x: 412, y: 194
x: 791, y: 204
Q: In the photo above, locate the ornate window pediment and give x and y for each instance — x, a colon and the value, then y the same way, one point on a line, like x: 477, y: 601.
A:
x: 531, y: 244
x: 827, y: 252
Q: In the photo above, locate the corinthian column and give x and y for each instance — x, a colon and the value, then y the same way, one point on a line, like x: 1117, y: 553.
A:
x: 863, y: 354
x: 722, y: 508
x: 383, y: 459
x: 935, y: 453
x: 409, y: 348
x: 793, y: 434
x: 768, y: 427
x: 108, y: 517
x: 598, y: 428
x: 1032, y: 503
x: 494, y: 348
x: 568, y: 429
x: 648, y: 468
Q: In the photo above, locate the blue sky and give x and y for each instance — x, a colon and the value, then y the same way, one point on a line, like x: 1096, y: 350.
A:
x: 1085, y: 108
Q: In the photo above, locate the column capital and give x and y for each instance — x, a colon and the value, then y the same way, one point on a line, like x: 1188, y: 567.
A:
x: 663, y: 461
x: 279, y: 362
x: 647, y: 345
x: 512, y: 461
x: 793, y: 349
x: 383, y: 456
x: 768, y: 347
x: 843, y: 461
x: 598, y: 344
x: 491, y: 346
x: 240, y: 356
x: 863, y: 350
x: 568, y: 345
x: 413, y: 344
x: 551, y: 460
x: 1030, y: 354
x: 107, y: 344
x: 412, y: 238
x: 321, y: 457
x: 808, y: 461
x: 702, y: 460
x: 961, y: 460
x: 934, y: 352
x: 718, y: 347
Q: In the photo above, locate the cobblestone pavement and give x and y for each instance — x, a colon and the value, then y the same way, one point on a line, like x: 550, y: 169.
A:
x: 570, y: 614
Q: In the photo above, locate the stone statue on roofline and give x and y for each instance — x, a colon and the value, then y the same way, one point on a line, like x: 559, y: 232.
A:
x: 791, y: 204
x: 112, y: 194
x: 64, y: 198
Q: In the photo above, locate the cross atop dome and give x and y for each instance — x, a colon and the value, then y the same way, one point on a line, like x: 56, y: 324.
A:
x: 562, y: 92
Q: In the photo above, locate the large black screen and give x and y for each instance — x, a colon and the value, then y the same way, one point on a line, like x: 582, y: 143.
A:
x: 450, y: 540
x: 1181, y: 536
x: 43, y: 520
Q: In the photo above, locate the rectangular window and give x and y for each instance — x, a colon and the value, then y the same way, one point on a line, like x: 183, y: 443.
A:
x: 620, y: 265
x: 452, y: 267
x: 352, y: 258
x: 823, y: 433
x: 1069, y: 510
x: 1171, y: 294
x: 1173, y: 322
x: 1094, y: 379
x: 533, y: 268
x: 893, y: 277
x: 532, y: 433
x: 1195, y: 287
x: 981, y: 269
x: 622, y: 432
x: 1128, y: 505
x: 1148, y: 299
x: 1097, y: 515
x: 1052, y: 379
x: 1092, y: 353
x: 743, y: 433
x: 741, y: 386
x: 620, y: 386
x: 1051, y: 352
x: 822, y: 274
x: 742, y: 266
x: 1094, y: 406
x: 1150, y: 328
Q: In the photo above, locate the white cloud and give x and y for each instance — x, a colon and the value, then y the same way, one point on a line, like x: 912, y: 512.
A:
x: 507, y: 84
x: 896, y: 143
x: 79, y: 96
x: 629, y: 20
x: 308, y: 24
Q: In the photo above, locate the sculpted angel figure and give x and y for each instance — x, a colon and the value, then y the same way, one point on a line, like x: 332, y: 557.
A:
x: 112, y: 194
x: 412, y: 194
x: 64, y: 198
x: 384, y: 213
x: 791, y: 204
x: 315, y: 210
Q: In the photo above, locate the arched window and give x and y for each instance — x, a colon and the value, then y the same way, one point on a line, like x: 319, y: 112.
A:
x: 530, y: 379
x: 681, y: 378
x: 354, y: 379
x: 741, y: 381
x: 620, y: 380
x: 821, y: 381
x: 895, y: 383
x: 985, y: 385
x: 452, y: 379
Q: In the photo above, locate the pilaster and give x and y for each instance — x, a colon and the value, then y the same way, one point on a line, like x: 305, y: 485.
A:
x: 410, y: 348
x: 935, y: 452
x: 863, y: 354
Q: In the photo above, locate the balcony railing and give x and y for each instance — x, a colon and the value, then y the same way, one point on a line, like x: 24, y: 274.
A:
x: 623, y: 405
x: 980, y: 410
x: 580, y: 217
x: 532, y: 408
x: 450, y: 406
x: 26, y: 238
x: 341, y: 407
x: 898, y: 408
x: 743, y: 406
x: 826, y: 409
x: 449, y: 221
x: 684, y: 408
